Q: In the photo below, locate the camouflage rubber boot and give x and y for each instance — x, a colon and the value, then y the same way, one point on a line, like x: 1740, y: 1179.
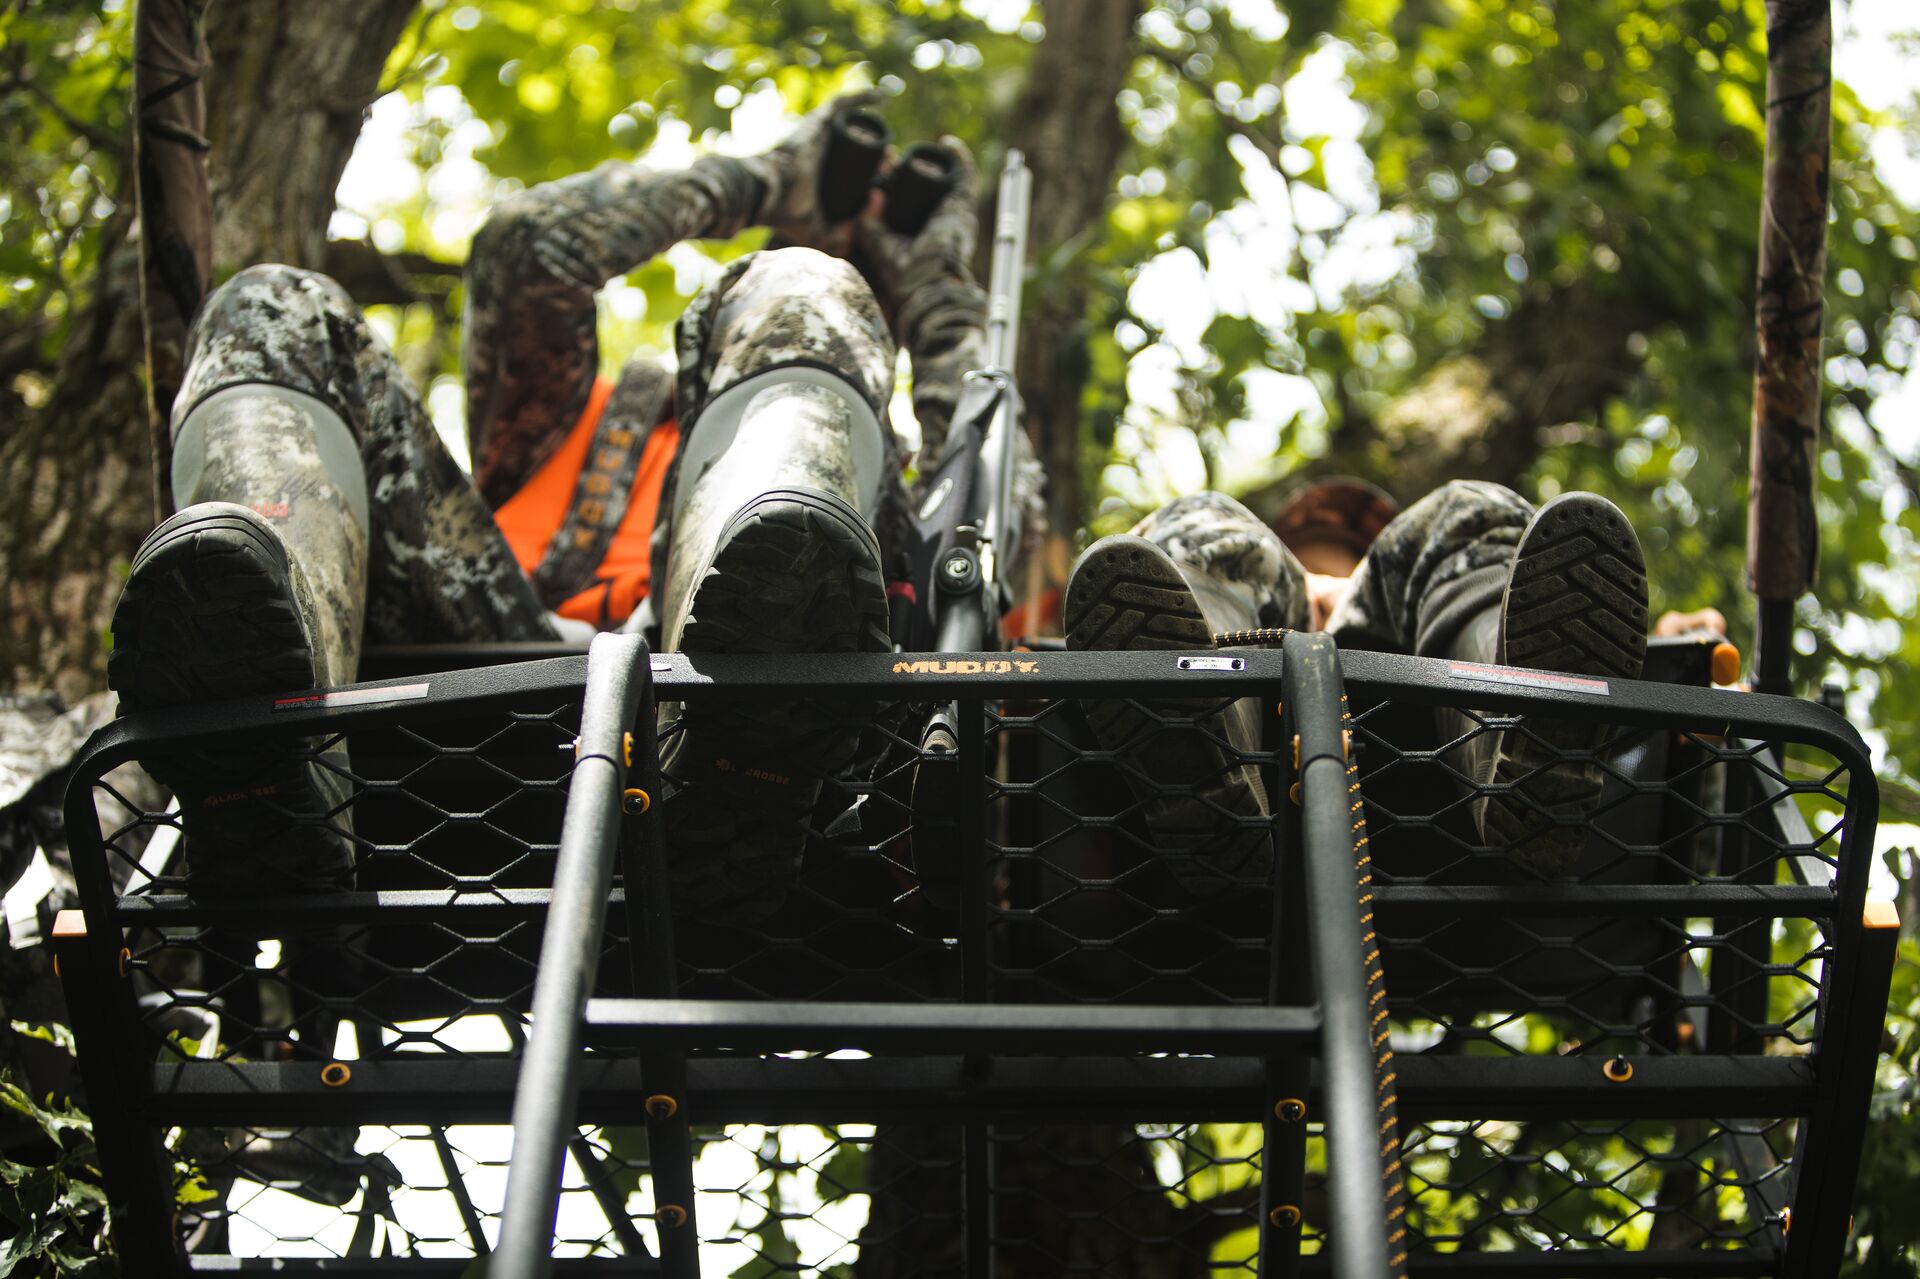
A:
x: 1575, y: 603
x: 232, y: 601
x: 1127, y: 593
x: 772, y: 553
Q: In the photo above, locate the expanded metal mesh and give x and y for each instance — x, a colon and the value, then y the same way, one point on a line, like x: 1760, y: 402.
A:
x: 1080, y: 895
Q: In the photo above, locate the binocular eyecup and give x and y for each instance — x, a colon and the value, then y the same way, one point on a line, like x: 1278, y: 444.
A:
x: 856, y: 144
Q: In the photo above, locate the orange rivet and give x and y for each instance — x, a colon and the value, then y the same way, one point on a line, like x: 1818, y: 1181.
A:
x: 1725, y: 663
x: 1290, y: 1109
x: 125, y: 955
x: 661, y: 1106
x: 1293, y: 793
x: 636, y: 801
x: 1786, y: 1220
x: 1619, y: 1070
x: 1285, y: 1217
x: 672, y: 1215
x: 626, y: 748
x: 56, y: 965
x: 1296, y: 751
x: 335, y: 1074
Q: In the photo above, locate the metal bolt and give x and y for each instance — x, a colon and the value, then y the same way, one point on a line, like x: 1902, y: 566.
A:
x: 335, y: 1074
x: 661, y: 1106
x: 1285, y: 1217
x: 635, y: 801
x: 1619, y: 1070
x: 957, y: 568
x: 1290, y: 1110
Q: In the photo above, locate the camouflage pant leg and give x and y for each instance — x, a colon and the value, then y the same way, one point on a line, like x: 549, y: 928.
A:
x: 438, y: 567
x: 1213, y: 535
x: 789, y: 306
x: 1438, y: 564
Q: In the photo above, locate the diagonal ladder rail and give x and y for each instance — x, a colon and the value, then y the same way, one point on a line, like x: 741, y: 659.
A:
x: 1366, y: 1199
x: 546, y: 1097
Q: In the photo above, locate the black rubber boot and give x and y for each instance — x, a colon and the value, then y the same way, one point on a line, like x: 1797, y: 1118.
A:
x: 213, y: 610
x: 1575, y: 603
x: 1126, y: 593
x: 796, y: 570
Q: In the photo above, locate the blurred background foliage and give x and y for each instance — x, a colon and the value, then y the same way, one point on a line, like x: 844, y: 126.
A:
x: 1401, y: 239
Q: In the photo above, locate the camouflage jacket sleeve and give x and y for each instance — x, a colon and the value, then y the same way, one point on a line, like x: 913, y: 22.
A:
x: 943, y: 329
x: 531, y: 351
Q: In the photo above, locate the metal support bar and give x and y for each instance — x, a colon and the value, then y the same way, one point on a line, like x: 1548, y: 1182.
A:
x: 1287, y: 1102
x: 1827, y: 1151
x: 651, y: 957
x: 970, y: 1028
x: 544, y: 1102
x: 139, y: 1182
x: 941, y: 1088
x: 1356, y: 1172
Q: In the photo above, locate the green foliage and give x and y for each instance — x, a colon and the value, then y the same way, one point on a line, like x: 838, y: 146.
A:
x: 1594, y: 162
x: 52, y: 1206
x: 63, y: 124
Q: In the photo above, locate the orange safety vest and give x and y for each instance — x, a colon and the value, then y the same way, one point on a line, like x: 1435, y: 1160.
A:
x: 533, y: 516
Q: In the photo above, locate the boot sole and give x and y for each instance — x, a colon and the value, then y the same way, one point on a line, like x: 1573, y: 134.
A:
x: 796, y: 570
x: 1576, y: 603
x: 208, y: 614
x: 1126, y: 594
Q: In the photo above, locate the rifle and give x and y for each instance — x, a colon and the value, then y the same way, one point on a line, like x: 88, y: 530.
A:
x: 965, y: 532
x: 967, y: 526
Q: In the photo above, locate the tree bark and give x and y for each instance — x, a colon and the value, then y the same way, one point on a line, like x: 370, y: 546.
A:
x: 1070, y: 129
x: 1485, y: 415
x: 285, y: 101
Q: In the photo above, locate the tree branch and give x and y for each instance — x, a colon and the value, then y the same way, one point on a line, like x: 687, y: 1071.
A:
x: 374, y: 278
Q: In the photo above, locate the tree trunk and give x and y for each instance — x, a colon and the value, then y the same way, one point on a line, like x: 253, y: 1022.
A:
x: 285, y: 101
x: 1070, y: 129
x: 1487, y: 414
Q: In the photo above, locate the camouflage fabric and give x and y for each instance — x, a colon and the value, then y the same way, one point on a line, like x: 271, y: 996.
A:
x: 1213, y: 537
x: 437, y: 567
x: 1439, y: 563
x: 785, y: 306
x: 531, y: 346
x: 938, y: 313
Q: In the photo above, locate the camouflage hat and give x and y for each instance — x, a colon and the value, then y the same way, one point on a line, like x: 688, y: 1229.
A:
x: 1342, y: 511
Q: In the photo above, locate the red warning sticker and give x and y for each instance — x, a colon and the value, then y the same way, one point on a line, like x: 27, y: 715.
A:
x: 1529, y: 679
x: 328, y: 699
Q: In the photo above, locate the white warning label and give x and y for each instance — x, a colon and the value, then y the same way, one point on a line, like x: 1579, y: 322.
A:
x: 328, y: 699
x: 1529, y: 679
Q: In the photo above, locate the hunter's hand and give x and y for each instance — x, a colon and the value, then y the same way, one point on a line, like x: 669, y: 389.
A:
x: 910, y: 273
x: 792, y: 205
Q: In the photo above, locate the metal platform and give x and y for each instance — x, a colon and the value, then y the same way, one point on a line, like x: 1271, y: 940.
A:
x: 993, y: 1028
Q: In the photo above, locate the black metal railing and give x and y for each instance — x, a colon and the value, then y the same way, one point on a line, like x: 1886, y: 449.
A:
x: 993, y: 1016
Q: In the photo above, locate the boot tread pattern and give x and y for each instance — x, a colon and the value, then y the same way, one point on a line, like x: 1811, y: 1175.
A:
x: 794, y: 572
x: 1126, y: 594
x: 208, y: 614
x: 1576, y: 604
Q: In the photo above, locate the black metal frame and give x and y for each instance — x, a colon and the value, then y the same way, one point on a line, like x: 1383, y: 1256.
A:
x: 972, y: 1061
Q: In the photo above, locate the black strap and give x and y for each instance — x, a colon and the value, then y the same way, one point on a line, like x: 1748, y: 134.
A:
x: 638, y: 406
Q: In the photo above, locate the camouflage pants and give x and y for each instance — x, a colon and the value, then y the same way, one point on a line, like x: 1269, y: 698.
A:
x: 1438, y: 564
x: 437, y: 567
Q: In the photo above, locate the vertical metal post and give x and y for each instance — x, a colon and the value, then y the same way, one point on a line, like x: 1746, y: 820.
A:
x: 546, y: 1097
x: 1283, y: 1150
x: 1359, y: 1194
x: 139, y: 1181
x: 1827, y: 1149
x: 651, y: 953
x: 976, y: 1142
x: 1783, y: 535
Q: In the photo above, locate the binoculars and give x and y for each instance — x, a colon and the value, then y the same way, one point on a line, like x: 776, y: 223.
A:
x: 850, y: 167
